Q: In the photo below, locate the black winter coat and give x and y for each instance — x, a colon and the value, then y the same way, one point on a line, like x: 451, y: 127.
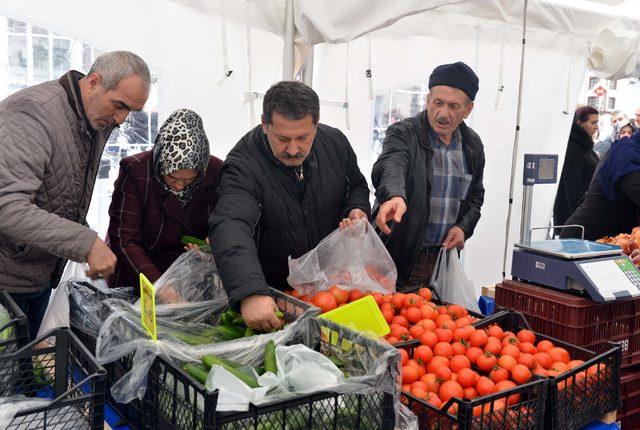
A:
x: 404, y: 169
x: 600, y: 216
x: 579, y: 164
x: 266, y: 214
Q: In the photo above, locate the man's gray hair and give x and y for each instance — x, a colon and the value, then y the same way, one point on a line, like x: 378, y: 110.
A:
x: 117, y: 65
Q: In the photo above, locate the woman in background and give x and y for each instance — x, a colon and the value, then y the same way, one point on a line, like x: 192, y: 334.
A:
x: 160, y: 196
x: 579, y: 164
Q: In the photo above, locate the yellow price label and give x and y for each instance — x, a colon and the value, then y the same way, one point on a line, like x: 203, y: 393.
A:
x: 148, y: 306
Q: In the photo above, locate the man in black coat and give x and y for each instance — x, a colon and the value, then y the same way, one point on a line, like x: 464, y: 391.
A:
x: 285, y: 185
x: 428, y: 178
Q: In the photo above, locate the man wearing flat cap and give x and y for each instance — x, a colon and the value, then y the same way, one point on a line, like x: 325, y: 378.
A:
x: 428, y: 178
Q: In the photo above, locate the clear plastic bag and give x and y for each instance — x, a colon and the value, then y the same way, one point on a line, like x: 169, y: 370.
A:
x: 451, y: 283
x: 354, y: 258
x: 10, y: 406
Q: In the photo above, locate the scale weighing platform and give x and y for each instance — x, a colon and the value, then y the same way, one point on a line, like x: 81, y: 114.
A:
x: 599, y: 269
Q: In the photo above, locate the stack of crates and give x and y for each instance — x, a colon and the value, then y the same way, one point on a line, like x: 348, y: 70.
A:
x: 583, y: 322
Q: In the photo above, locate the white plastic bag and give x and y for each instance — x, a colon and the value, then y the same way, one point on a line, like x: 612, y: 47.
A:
x: 354, y: 258
x: 10, y: 406
x: 451, y: 283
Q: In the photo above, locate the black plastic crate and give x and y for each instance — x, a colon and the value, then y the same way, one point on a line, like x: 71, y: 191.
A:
x: 182, y: 403
x: 573, y: 401
x: 137, y: 413
x: 67, y: 372
x: 13, y: 332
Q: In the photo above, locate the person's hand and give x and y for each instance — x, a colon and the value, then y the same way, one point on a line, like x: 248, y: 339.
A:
x: 454, y: 239
x: 354, y: 215
x: 635, y: 256
x: 190, y: 246
x: 167, y: 295
x: 259, y: 312
x: 392, y: 209
x: 102, y: 262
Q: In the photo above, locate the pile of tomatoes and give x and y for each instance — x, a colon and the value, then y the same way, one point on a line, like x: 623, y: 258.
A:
x: 470, y: 362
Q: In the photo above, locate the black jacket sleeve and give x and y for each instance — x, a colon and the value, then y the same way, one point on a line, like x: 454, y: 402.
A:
x: 232, y: 226
x: 357, y: 187
x: 573, y: 186
x: 629, y: 185
x: 389, y: 172
x: 469, y: 218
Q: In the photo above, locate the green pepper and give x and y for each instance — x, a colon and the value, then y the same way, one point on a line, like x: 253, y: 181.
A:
x: 270, y: 364
x: 211, y: 360
x: 196, y: 372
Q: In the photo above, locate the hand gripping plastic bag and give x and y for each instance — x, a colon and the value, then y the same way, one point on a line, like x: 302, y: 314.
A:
x: 451, y: 283
x: 354, y: 258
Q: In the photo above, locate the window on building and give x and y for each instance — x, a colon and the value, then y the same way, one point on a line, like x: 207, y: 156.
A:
x: 593, y: 82
x: 36, y: 55
x: 393, y: 106
x: 613, y: 85
x: 593, y: 102
x: 611, y: 103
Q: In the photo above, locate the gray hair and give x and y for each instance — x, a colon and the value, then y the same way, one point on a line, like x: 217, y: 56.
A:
x: 117, y: 65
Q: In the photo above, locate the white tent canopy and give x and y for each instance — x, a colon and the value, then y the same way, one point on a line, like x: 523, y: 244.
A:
x: 193, y: 44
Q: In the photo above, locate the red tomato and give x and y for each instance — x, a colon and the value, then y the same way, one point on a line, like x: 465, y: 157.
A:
x: 478, y: 338
x: 470, y: 393
x: 377, y: 297
x: 409, y: 374
x: 436, y: 363
x: 428, y: 313
x: 425, y: 293
x: 400, y: 320
x: 496, y: 331
x: 416, y: 331
x: 388, y: 315
x: 505, y: 385
x: 398, y: 300
x: 507, y: 362
x: 559, y: 354
x: 460, y: 333
x: 527, y: 360
x: 413, y: 314
x: 355, y: 295
x: 429, y: 338
x: 493, y: 347
x: 412, y: 300
x: 458, y: 348
x: 341, y: 296
x: 499, y: 374
x: 431, y: 379
x: 404, y: 356
x: 520, y: 374
x: 443, y: 349
x: 485, y: 386
x: 486, y: 362
x: 444, y: 374
x: 527, y: 347
x: 456, y: 311
x: 511, y: 350
x: 545, y: 345
x: 450, y: 389
x: 444, y: 335
x: 526, y: 336
x: 325, y: 301
x: 423, y: 354
x: 467, y: 377
x: 473, y: 353
x: 459, y: 362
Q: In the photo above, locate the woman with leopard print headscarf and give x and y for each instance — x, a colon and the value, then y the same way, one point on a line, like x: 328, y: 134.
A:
x: 160, y: 196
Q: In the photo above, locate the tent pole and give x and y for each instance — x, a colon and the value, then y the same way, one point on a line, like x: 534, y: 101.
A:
x: 307, y: 70
x: 514, y: 156
x: 288, y: 55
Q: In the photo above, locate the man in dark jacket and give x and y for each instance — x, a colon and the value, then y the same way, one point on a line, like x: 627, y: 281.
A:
x: 430, y: 170
x: 285, y: 185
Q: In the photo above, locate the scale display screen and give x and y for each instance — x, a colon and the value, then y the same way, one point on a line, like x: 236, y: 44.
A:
x: 617, y: 275
x: 547, y: 169
x: 540, y: 169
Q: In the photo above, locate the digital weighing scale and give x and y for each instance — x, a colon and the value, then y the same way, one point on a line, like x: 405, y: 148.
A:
x: 599, y: 269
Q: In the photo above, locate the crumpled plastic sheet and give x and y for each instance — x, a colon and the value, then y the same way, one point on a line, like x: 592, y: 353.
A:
x: 353, y: 258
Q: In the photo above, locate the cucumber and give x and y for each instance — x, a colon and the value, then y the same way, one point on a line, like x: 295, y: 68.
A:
x: 270, y: 364
x: 193, y: 240
x: 248, y: 332
x: 196, y: 372
x: 212, y: 360
x: 279, y: 314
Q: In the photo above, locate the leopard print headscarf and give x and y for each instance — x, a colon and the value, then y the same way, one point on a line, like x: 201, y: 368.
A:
x: 181, y: 144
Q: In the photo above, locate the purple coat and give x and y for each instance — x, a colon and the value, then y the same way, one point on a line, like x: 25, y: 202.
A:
x: 147, y: 221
